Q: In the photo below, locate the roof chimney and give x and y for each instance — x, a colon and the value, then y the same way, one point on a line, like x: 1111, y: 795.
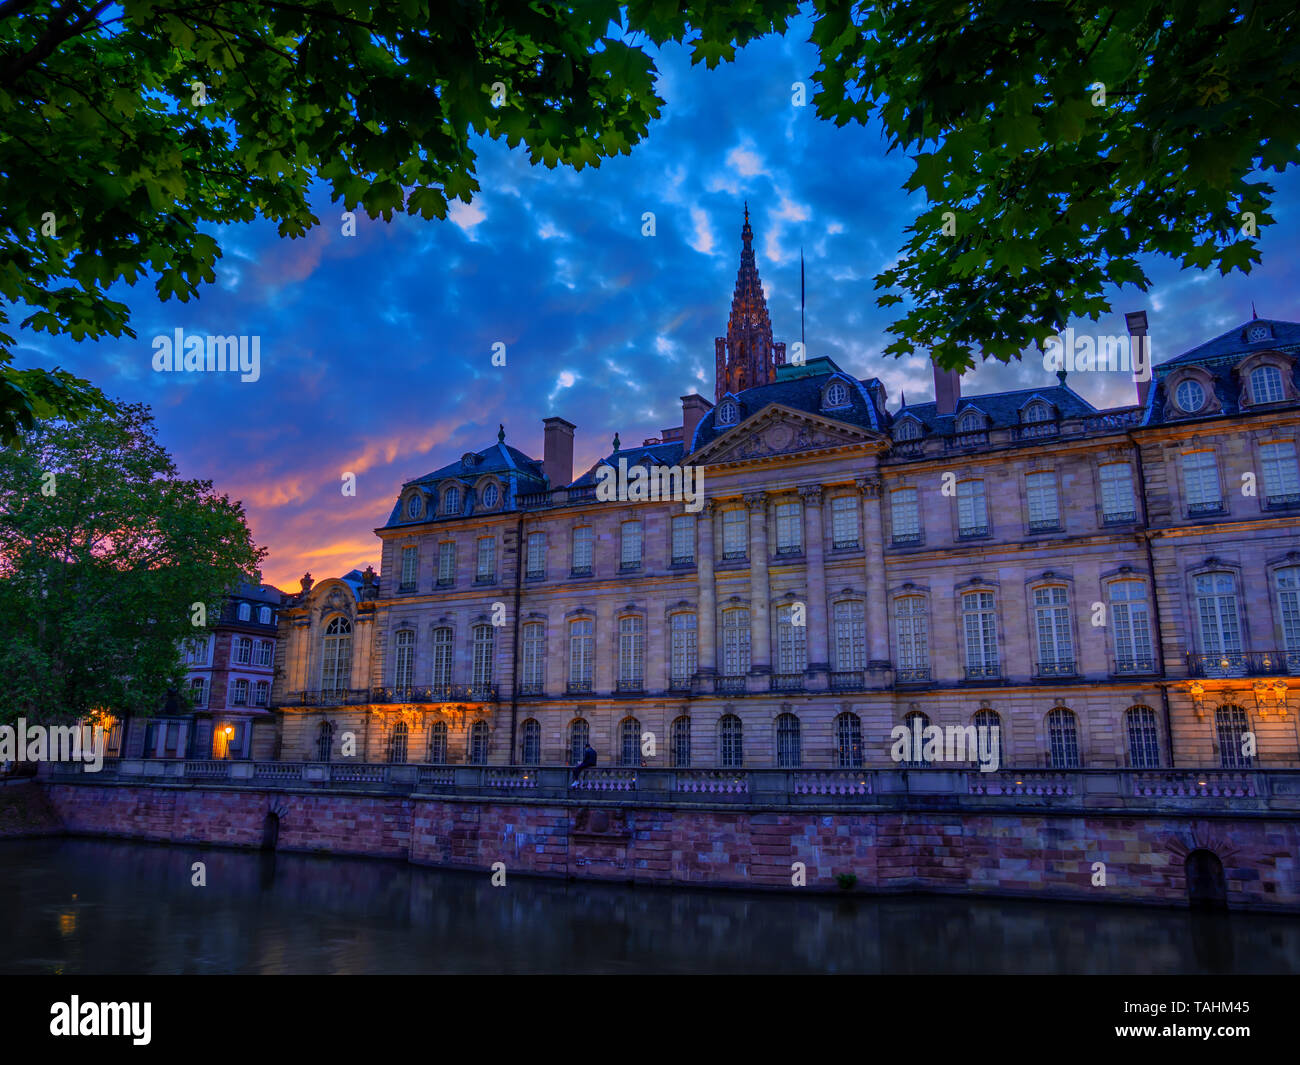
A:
x: 947, y: 390
x: 557, y: 454
x: 694, y: 408
x: 1140, y: 352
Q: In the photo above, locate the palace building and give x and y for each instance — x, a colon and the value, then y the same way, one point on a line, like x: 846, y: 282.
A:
x: 1108, y: 588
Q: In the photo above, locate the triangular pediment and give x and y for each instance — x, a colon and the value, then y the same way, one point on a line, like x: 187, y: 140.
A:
x: 779, y: 430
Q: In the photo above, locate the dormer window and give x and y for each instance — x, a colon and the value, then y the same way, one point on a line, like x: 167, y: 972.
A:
x: 245, y: 611
x: 414, y: 506
x: 728, y: 413
x: 837, y: 395
x: 970, y: 422
x: 1037, y: 412
x: 451, y: 501
x: 1189, y: 396
x: 490, y: 495
x: 907, y: 429
x: 1266, y: 385
x: 1257, y: 332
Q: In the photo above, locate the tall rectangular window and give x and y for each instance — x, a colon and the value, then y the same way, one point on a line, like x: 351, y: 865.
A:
x: 911, y: 637
x: 1281, y: 473
x: 734, y: 536
x: 1201, y: 482
x: 1052, y: 623
x: 583, y: 536
x: 685, y: 649
x: 534, y: 658
x: 735, y: 642
x: 1117, y: 499
x: 265, y: 652
x: 631, y: 653
x: 537, y: 554
x: 199, y: 689
x: 483, y: 647
x: 581, y: 654
x: 979, y: 625
x: 630, y: 545
x: 789, y: 528
x: 1131, y: 623
x: 1287, y: 582
x: 1216, y: 608
x: 404, y: 659
x: 972, y: 509
x: 905, y: 516
x: 442, y: 655
x: 486, y: 569
x: 410, y: 568
x: 244, y: 651
x: 791, y: 642
x: 850, y: 636
x: 1044, y: 511
x: 447, y: 562
x: 845, y: 521
x: 683, y: 539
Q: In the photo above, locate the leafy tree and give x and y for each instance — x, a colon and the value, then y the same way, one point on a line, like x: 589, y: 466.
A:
x: 126, y: 128
x: 104, y: 551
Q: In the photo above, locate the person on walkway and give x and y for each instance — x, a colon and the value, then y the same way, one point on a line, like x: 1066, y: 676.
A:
x: 588, y: 760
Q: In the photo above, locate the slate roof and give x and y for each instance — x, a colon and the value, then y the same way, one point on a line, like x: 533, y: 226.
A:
x: 519, y: 473
x: 668, y: 454
x: 1002, y: 408
x: 1234, y: 342
x: 800, y: 393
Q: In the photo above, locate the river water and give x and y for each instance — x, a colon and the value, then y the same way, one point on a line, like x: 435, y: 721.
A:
x: 104, y: 906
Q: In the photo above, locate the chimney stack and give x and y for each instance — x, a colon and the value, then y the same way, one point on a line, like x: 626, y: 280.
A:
x: 557, y: 454
x: 1137, y: 331
x: 947, y: 390
x: 694, y: 408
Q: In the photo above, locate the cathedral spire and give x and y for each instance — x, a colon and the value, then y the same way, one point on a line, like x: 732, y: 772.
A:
x: 747, y: 356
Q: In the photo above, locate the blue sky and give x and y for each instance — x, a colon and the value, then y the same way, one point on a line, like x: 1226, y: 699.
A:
x: 376, y: 349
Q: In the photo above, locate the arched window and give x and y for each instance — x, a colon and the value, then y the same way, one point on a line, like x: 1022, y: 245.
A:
x: 1231, y: 725
x: 397, y: 740
x: 579, y: 734
x: 727, y: 413
x: 631, y: 653
x: 438, y: 743
x: 264, y: 615
x: 442, y: 648
x: 245, y: 611
x: 490, y: 494
x: 1266, y: 385
x: 451, y: 500
x: 483, y: 648
x: 916, y: 723
x: 336, y: 656
x: 241, y: 691
x: 1143, y: 740
x: 630, y: 741
x: 261, y: 693
x: 1190, y: 396
x: 970, y: 422
x: 531, y: 743
x: 907, y: 429
x: 735, y: 642
x: 1063, y: 739
x: 414, y: 505
x: 581, y: 654
x: 478, y: 743
x: 404, y: 663
x: 789, y: 749
x: 681, y: 741
x: 837, y: 395
x: 731, y: 742
x: 324, y: 741
x: 1037, y: 412
x: 848, y: 740
x: 988, y: 728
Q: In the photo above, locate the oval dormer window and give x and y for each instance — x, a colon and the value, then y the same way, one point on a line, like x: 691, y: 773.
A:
x: 970, y: 423
x: 837, y: 395
x: 1190, y: 396
x: 414, y: 506
x: 727, y: 413
x: 907, y: 429
x: 1037, y: 412
x: 490, y: 495
x: 451, y: 501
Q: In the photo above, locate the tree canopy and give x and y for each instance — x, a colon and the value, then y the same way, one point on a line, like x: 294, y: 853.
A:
x: 129, y: 131
x: 104, y: 553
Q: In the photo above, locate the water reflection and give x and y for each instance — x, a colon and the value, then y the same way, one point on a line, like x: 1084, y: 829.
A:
x: 96, y: 906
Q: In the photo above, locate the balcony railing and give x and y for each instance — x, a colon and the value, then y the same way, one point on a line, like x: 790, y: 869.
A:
x: 630, y: 687
x: 330, y: 697
x: 1052, y: 525
x: 445, y: 693
x: 847, y: 680
x: 1119, y: 517
x: 973, y: 532
x: 1198, y: 510
x: 1059, y: 667
x: 728, y: 684
x: 531, y: 687
x: 959, y: 441
x: 1282, y: 502
x: 1035, y: 431
x: 988, y: 671
x: 912, y: 675
x: 787, y: 682
x: 1245, y: 664
x: 1135, y: 665
x: 906, y: 539
x: 1120, y: 419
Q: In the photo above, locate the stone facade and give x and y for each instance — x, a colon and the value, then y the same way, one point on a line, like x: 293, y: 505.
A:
x: 1109, y: 588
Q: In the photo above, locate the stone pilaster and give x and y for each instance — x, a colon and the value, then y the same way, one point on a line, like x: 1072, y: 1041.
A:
x: 815, y: 562
x: 877, y: 612
x: 760, y: 588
